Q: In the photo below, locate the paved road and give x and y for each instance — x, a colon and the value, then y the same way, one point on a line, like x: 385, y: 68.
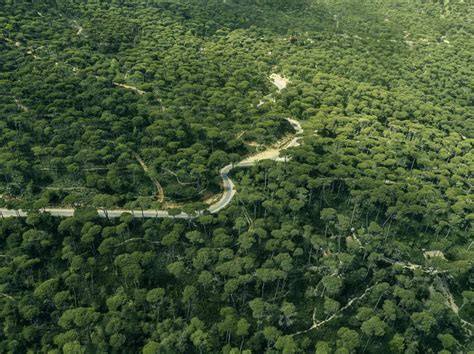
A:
x: 228, y: 193
x: 227, y: 185
x: 116, y: 213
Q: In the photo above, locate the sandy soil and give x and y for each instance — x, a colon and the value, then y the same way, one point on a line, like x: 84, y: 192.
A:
x: 133, y: 88
x: 254, y: 144
x: 269, y: 154
x: 279, y: 81
x: 296, y: 125
x: 213, y: 198
x: 273, y: 153
x: 431, y: 254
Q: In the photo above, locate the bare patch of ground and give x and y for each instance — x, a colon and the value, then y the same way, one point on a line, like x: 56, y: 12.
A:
x: 269, y: 154
x: 254, y: 144
x: 172, y: 205
x: 212, y: 198
x: 431, y: 254
x: 272, y: 152
x: 133, y: 88
x: 279, y: 81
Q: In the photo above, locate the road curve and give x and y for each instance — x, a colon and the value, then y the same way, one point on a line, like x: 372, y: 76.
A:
x: 227, y: 186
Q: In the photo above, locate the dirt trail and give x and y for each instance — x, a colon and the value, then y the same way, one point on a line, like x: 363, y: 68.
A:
x: 176, y: 176
x: 317, y: 324
x: 159, y: 188
x: 133, y: 88
x: 68, y: 188
x: 21, y: 106
x: 449, y: 302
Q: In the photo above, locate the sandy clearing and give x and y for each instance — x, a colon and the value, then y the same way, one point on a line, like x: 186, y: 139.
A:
x: 273, y: 153
x: 279, y: 81
x: 269, y: 154
x: 254, y: 144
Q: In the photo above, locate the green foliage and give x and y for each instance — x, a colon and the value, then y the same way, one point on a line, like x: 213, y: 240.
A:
x: 360, y: 242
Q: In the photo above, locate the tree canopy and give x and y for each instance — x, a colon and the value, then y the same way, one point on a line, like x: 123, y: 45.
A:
x: 360, y: 241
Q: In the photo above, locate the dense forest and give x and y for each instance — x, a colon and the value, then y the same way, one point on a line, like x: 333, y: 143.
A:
x: 361, y: 241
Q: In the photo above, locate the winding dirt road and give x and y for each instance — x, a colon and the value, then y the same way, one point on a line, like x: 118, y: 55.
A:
x: 228, y: 186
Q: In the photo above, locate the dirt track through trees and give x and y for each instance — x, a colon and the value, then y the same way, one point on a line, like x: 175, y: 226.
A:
x: 228, y: 186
